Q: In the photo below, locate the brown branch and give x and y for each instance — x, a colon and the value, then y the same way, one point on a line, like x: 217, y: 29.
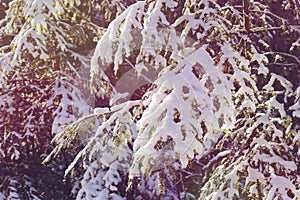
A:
x: 284, y: 54
x: 246, y: 15
x: 260, y: 29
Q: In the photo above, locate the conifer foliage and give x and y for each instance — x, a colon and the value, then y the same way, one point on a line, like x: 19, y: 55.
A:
x: 39, y: 87
x: 218, y: 120
x: 202, y: 100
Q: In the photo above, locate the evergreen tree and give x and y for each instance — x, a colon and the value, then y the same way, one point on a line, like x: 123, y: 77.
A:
x: 217, y: 122
x: 40, y: 91
x: 44, y: 59
x: 198, y: 99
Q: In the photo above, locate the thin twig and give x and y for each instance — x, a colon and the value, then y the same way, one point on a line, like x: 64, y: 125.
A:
x: 284, y: 54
